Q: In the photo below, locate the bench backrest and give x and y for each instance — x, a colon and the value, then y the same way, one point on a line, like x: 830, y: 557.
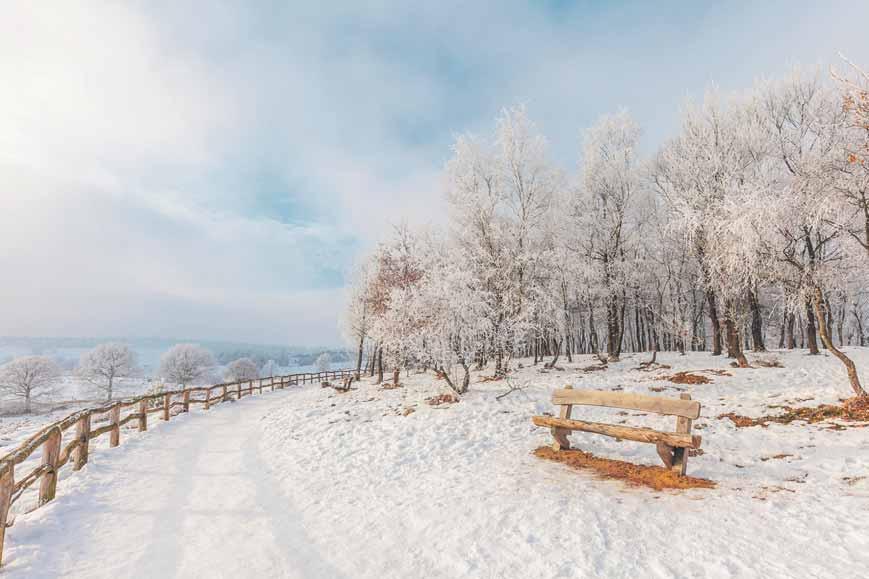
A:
x: 628, y: 401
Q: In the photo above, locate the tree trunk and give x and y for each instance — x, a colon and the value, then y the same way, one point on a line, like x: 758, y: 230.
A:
x: 466, y: 379
x: 396, y: 374
x: 557, y: 351
x: 380, y: 365
x: 359, y: 358
x: 733, y: 348
x: 614, y: 334
x: 860, y: 338
x: 716, y: 324
x: 784, y: 325
x: 811, y: 335
x: 820, y: 312
x: 756, y: 323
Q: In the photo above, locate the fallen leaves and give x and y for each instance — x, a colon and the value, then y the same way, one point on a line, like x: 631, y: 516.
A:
x: 654, y: 477
x: 854, y: 409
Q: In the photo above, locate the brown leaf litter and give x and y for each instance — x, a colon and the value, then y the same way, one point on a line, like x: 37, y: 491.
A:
x: 655, y: 477
x: 687, y: 378
x: 854, y: 409
x: 442, y: 399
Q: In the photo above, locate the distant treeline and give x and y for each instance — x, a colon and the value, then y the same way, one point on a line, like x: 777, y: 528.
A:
x: 284, y: 357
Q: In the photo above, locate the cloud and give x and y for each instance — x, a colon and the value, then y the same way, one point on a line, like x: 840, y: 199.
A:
x: 209, y: 170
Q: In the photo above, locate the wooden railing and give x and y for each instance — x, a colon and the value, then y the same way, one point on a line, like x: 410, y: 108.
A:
x: 55, y: 454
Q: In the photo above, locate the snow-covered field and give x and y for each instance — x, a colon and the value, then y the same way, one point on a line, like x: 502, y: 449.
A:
x: 377, y: 483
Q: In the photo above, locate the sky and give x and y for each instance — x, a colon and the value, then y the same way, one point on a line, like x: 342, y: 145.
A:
x: 211, y: 170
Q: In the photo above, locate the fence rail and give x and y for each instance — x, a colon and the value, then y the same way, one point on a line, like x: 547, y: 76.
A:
x: 55, y: 454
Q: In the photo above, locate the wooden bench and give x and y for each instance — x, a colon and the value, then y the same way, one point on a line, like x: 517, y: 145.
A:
x: 671, y: 446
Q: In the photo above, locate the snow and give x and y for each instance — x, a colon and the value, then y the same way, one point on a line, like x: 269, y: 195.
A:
x: 313, y: 483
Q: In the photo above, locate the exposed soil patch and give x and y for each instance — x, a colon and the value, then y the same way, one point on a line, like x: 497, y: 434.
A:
x: 654, y: 477
x: 854, y: 409
x: 687, y: 378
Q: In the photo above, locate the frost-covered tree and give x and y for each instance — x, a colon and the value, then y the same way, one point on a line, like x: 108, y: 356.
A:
x: 455, y: 321
x: 855, y: 101
x: 697, y: 174
x: 357, y: 319
x: 398, y: 269
x: 103, y: 365
x: 241, y: 370
x: 500, y: 194
x: 757, y: 205
x: 608, y: 190
x: 324, y: 362
x: 269, y: 368
x: 186, y: 364
x: 806, y: 132
x: 29, y: 378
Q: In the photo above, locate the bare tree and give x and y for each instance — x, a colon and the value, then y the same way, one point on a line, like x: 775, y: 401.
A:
x: 29, y: 377
x: 105, y: 364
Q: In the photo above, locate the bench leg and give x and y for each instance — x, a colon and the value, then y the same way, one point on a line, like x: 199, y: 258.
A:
x: 680, y: 461
x: 666, y: 452
x: 680, y: 455
x: 560, y: 434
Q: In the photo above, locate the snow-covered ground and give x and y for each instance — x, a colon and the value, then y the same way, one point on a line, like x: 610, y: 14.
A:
x: 377, y: 483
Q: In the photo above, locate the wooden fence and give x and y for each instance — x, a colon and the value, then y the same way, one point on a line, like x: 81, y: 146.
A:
x: 56, y: 454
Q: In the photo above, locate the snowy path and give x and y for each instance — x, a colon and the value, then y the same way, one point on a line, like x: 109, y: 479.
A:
x: 195, y: 499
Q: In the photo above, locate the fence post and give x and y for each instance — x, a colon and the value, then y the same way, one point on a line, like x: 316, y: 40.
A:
x: 167, y: 404
x: 82, y: 434
x: 143, y: 415
x: 238, y: 391
x: 50, y: 454
x: 207, y: 398
x: 185, y: 400
x: 115, y: 418
x: 223, y: 396
x: 7, y: 485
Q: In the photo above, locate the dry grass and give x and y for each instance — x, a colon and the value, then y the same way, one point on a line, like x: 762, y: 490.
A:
x: 654, y: 477
x: 854, y: 409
